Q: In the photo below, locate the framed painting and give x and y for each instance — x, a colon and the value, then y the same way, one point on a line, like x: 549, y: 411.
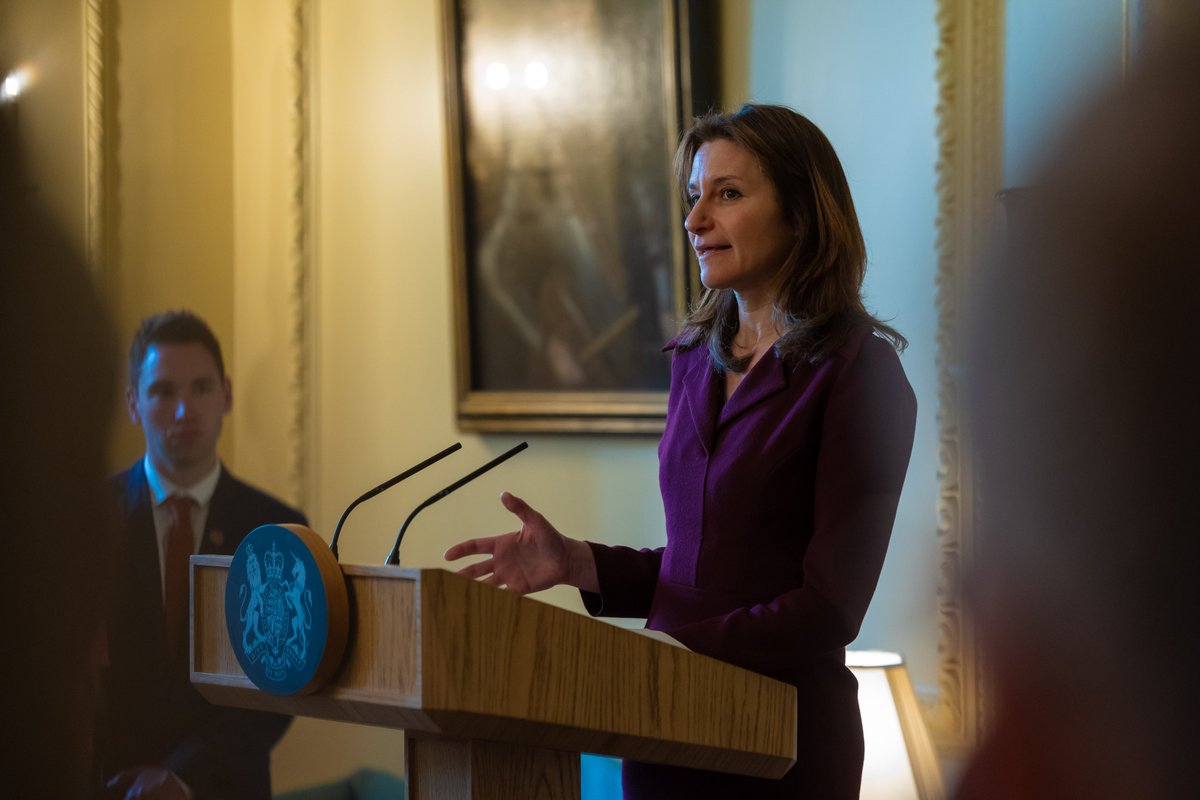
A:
x: 570, y: 255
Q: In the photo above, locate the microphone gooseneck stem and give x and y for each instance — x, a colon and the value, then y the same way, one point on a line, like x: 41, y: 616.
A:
x: 383, y: 487
x: 393, y: 558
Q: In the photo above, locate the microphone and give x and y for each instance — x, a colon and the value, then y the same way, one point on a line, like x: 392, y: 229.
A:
x: 383, y: 487
x: 394, y: 556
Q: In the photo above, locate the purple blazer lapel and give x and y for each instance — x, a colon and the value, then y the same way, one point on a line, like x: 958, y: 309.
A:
x: 766, y: 378
x: 703, y: 395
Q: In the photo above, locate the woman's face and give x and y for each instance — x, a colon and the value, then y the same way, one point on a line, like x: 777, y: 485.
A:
x: 736, y: 225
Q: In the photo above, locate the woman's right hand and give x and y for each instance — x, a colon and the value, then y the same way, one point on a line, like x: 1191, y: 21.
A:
x: 533, y: 558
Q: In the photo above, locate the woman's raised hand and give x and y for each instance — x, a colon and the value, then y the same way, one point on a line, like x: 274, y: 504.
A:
x: 533, y: 558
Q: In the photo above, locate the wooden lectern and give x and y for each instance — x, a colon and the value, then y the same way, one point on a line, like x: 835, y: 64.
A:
x: 500, y: 693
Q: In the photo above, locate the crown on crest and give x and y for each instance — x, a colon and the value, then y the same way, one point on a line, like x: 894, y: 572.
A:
x: 273, y: 560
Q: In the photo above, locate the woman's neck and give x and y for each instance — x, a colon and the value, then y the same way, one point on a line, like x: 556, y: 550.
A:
x: 757, y: 332
x: 758, y: 328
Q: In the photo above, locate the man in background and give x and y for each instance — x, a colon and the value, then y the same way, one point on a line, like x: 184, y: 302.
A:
x: 159, y: 737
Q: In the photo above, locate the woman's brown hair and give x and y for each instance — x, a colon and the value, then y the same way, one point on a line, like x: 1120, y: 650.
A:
x: 820, y: 290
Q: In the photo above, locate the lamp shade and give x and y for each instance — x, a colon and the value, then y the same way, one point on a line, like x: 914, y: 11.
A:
x: 900, y: 762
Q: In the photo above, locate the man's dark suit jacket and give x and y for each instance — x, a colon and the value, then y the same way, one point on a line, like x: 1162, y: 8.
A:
x: 151, y: 713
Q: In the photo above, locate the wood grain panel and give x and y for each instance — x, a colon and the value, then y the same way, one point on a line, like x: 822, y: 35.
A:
x: 434, y: 652
x: 505, y: 666
x: 438, y: 769
x: 211, y: 649
x: 449, y: 769
x: 500, y: 771
x: 380, y: 667
x: 382, y: 651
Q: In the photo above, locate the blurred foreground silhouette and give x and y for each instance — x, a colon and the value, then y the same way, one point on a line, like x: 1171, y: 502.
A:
x: 1086, y: 408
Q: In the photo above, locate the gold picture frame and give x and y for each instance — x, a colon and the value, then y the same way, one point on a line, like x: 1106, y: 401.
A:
x: 569, y: 252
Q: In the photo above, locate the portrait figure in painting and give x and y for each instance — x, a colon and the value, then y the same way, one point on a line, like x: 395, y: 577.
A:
x: 571, y: 246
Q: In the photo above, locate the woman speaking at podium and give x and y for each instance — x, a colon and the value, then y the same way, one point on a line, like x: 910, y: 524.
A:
x: 789, y: 429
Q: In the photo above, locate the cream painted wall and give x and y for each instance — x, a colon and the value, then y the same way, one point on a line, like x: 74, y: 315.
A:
x: 267, y: 217
x: 171, y: 147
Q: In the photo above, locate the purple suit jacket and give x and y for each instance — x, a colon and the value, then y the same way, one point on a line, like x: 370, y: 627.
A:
x: 779, y: 506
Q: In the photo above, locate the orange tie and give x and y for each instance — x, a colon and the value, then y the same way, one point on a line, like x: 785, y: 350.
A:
x: 180, y: 541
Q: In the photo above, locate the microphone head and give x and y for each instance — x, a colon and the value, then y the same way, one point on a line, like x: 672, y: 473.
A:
x: 383, y: 487
x: 393, y: 557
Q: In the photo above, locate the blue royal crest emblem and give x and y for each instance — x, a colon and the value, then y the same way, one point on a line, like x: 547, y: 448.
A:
x: 275, y: 613
x: 276, y: 610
